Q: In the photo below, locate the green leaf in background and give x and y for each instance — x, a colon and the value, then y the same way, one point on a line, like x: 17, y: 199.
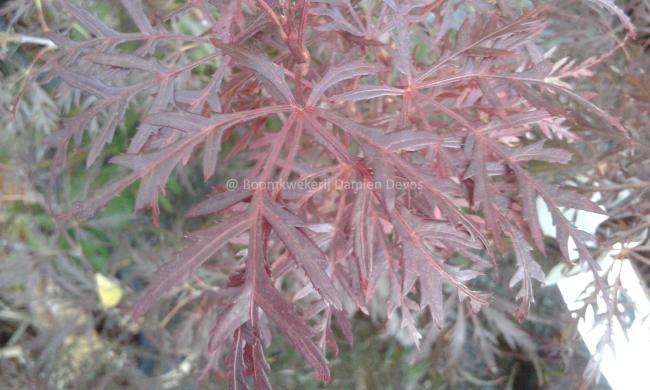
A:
x: 96, y: 247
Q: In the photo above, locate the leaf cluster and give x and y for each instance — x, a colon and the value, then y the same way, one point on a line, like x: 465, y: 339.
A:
x: 368, y: 93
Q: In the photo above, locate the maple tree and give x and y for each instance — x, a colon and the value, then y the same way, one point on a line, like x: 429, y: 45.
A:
x: 369, y: 94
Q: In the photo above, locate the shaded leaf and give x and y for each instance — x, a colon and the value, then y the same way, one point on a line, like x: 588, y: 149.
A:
x: 205, y: 244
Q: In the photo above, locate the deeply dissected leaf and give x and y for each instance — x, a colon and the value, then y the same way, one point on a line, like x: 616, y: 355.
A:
x: 218, y: 202
x: 306, y: 253
x: 269, y: 73
x: 282, y: 314
x: 106, y: 132
x: 278, y: 309
x: 527, y: 270
x: 338, y: 74
x: 206, y: 243
x: 231, y: 318
x: 422, y: 265
x: 92, y: 23
x: 392, y: 194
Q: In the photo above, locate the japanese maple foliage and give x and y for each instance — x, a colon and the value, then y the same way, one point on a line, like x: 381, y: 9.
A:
x: 417, y: 120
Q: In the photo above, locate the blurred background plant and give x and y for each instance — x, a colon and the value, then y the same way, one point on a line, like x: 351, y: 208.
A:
x: 65, y: 293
